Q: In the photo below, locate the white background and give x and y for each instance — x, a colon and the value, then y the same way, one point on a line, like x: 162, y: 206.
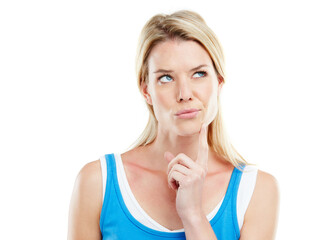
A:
x: 68, y: 95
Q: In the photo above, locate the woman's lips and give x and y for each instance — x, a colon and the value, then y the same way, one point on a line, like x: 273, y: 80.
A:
x: 186, y: 115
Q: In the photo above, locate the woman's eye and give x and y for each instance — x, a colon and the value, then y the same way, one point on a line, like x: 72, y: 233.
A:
x: 200, y: 74
x: 165, y: 78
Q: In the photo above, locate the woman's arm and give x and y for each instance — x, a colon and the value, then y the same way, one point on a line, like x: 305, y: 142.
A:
x: 86, y: 202
x: 198, y: 228
x: 261, y: 218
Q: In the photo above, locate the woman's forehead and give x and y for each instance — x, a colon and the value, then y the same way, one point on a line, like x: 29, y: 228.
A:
x: 177, y: 54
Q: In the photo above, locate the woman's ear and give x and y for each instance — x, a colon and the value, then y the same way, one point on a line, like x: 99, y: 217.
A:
x: 220, y: 84
x: 145, y: 93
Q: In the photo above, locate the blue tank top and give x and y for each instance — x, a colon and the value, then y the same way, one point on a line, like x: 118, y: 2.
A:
x: 116, y: 222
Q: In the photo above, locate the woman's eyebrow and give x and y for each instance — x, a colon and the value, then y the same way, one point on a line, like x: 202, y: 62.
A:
x: 163, y: 70
x: 169, y: 71
x: 200, y: 66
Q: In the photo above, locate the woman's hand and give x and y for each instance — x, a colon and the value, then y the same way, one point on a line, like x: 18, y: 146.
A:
x: 187, y: 177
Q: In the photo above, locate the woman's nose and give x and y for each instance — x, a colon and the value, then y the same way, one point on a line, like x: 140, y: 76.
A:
x: 184, y: 91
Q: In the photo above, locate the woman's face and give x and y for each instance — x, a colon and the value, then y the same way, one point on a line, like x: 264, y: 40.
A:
x: 182, y: 76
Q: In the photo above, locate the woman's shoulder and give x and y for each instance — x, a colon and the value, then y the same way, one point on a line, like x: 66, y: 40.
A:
x: 89, y: 181
x: 266, y: 183
x: 263, y: 179
x: 86, y: 203
x: 90, y: 170
x: 264, y: 202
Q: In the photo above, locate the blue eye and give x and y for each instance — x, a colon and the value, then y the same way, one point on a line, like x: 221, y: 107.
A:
x: 201, y: 74
x: 165, y: 78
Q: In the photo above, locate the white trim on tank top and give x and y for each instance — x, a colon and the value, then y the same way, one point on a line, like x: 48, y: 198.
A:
x: 245, y: 192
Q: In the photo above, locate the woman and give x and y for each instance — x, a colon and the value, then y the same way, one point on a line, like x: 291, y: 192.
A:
x: 183, y: 179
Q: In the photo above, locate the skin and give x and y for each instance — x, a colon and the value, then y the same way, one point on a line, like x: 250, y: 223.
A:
x: 178, y: 179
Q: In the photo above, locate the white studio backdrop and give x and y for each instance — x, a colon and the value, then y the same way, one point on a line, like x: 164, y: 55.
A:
x: 68, y: 95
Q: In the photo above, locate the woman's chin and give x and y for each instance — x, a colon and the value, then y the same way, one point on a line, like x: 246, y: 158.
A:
x: 188, y: 129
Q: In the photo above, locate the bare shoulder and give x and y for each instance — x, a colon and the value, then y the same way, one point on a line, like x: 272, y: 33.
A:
x: 86, y: 202
x: 90, y: 174
x: 261, y: 218
x: 89, y: 183
x: 266, y: 184
x: 266, y: 192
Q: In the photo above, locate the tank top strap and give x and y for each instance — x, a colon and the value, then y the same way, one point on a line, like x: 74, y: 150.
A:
x: 110, y: 166
x: 234, y: 199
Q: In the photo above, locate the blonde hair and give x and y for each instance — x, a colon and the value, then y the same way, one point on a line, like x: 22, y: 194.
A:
x: 184, y: 25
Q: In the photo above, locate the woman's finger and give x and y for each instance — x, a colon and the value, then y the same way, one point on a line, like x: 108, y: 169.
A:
x: 168, y: 156
x: 183, y: 160
x: 174, y: 178
x: 180, y: 168
x: 203, y: 149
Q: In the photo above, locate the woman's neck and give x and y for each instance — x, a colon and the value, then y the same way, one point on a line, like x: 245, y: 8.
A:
x: 175, y: 144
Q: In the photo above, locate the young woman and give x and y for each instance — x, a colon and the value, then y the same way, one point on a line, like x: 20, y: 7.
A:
x: 183, y: 179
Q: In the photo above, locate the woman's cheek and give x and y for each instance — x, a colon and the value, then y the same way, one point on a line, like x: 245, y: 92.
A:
x: 161, y: 105
x: 211, y: 109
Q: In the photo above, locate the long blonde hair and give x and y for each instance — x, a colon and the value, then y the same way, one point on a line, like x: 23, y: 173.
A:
x: 185, y: 25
